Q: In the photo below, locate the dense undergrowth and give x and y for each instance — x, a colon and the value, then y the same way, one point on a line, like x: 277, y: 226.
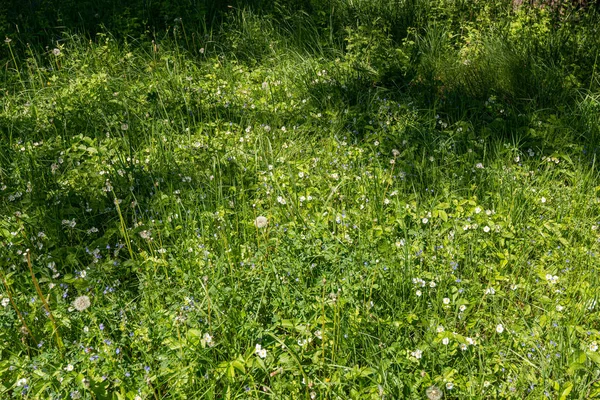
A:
x: 365, y: 199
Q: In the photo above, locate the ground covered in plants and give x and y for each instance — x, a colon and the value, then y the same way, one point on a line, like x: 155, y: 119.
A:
x: 338, y: 200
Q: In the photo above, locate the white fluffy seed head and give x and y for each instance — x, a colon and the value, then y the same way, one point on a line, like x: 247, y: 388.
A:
x: 81, y: 303
x: 261, y: 222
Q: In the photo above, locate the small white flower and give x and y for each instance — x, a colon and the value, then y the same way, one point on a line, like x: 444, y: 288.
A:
x: 445, y: 341
x: 440, y: 329
x: 69, y: 368
x: 432, y: 284
x: 486, y: 229
x: 477, y: 210
x: 208, y: 339
x: 22, y: 382
x: 490, y: 290
x: 594, y: 346
x: 418, y: 293
x: 281, y: 200
x: 449, y: 385
x: 446, y: 300
x: 56, y: 52
x: 463, y: 347
x: 5, y: 301
x: 499, y: 328
x: 262, y: 353
x: 543, y: 199
x: 559, y: 308
x: 462, y: 307
x: 424, y: 220
x: 319, y: 334
x: 417, y: 354
x: 479, y: 166
x: 470, y: 341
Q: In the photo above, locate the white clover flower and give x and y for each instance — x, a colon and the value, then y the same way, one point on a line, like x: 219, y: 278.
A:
x: 261, y: 222
x: 499, y: 328
x: 81, y: 303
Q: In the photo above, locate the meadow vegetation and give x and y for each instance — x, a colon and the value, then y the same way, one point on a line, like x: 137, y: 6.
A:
x: 334, y: 199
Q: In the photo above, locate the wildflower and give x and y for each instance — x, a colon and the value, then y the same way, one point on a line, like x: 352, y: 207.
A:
x: 462, y: 307
x: 486, y: 229
x: 319, y: 334
x: 440, y: 329
x: 433, y: 393
x: 7, y: 40
x: 262, y: 353
x: 22, y: 382
x: 5, y: 301
x: 446, y: 301
x: 124, y: 127
x: 594, y: 346
x: 417, y: 354
x: 559, y: 308
x: 499, y: 328
x: 463, y: 346
x: 425, y: 220
x: 280, y: 200
x: 470, y: 341
x: 449, y: 385
x: 445, y: 341
x: 543, y: 199
x: 418, y: 293
x: 261, y: 222
x: 69, y: 368
x: 479, y: 166
x: 56, y: 52
x: 208, y: 339
x: 477, y: 210
x: 81, y: 303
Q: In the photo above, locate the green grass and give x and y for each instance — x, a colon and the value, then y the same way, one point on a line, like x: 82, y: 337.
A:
x: 431, y: 190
